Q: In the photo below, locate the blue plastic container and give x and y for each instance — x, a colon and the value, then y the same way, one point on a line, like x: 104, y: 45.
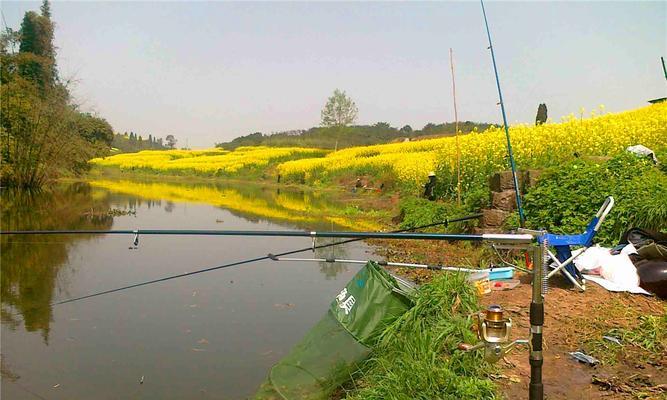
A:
x: 501, y: 273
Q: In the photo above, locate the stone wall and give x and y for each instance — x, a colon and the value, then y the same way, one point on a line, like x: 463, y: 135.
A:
x: 503, y: 198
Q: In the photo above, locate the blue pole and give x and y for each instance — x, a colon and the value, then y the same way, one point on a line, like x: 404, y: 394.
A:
x: 519, y: 205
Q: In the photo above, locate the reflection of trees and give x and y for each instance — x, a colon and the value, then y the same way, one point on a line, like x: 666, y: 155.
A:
x: 30, y: 264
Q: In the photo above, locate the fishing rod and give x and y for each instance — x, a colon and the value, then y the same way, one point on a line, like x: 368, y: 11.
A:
x: 517, y: 193
x: 236, y: 263
x: 536, y: 359
x: 205, y: 232
x: 311, y: 234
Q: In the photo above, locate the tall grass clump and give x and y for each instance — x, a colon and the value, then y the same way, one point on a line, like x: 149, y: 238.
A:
x: 416, y: 357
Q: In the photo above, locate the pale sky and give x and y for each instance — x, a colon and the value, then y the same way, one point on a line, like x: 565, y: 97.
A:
x: 210, y: 71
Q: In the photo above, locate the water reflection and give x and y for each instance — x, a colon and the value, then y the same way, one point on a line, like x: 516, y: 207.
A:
x: 31, y: 264
x: 308, y: 210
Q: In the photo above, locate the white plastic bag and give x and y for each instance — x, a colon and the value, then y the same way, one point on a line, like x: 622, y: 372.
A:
x: 591, y: 259
x: 620, y: 270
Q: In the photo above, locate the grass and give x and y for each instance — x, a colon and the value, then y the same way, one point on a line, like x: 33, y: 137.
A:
x: 644, y: 337
x: 416, y: 357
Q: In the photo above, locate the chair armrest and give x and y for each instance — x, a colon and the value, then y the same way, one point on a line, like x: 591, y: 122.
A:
x: 603, y: 211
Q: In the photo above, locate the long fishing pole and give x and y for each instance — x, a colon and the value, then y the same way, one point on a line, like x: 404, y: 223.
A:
x: 452, y: 237
x: 250, y: 260
x: 517, y: 193
x: 456, y: 127
x: 535, y: 359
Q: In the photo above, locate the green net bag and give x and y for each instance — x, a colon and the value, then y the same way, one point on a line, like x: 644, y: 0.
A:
x: 334, y: 347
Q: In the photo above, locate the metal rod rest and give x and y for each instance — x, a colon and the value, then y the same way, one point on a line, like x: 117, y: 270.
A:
x: 383, y: 263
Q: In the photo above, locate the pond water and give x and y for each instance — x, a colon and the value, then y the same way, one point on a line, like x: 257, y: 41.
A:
x: 212, y: 335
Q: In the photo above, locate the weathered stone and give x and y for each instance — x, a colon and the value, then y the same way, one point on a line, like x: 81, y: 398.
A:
x: 501, y: 181
x: 530, y: 177
x: 505, y: 200
x: 493, y: 218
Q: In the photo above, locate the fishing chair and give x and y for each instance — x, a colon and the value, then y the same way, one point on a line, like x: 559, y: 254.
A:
x: 563, y: 260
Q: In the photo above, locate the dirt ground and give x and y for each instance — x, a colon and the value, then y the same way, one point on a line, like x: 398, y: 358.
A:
x: 573, y: 321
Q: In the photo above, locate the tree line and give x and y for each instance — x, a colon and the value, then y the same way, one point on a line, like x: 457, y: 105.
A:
x: 132, y: 142
x: 338, y: 131
x: 43, y: 132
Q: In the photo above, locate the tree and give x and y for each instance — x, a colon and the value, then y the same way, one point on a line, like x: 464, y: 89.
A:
x: 39, y: 136
x: 541, y: 117
x: 406, y: 129
x: 36, y: 46
x: 339, y: 111
x: 46, y: 9
x: 171, y: 141
x: 94, y: 129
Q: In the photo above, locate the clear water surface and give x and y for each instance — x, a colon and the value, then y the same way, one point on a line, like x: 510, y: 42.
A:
x: 208, y: 336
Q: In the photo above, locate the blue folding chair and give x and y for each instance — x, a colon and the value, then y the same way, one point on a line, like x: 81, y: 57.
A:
x: 563, y: 260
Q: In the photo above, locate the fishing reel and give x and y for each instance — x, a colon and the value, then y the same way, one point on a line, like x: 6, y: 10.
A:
x: 493, y: 331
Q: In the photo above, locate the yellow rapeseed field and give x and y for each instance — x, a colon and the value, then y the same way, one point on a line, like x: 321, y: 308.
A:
x: 212, y: 162
x: 408, y: 163
x: 485, y: 152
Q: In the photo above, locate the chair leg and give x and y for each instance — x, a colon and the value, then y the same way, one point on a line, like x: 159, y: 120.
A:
x: 560, y: 266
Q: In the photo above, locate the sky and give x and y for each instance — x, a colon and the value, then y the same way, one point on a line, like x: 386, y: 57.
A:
x: 207, y: 72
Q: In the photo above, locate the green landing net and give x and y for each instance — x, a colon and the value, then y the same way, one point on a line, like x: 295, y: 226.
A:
x: 344, y: 337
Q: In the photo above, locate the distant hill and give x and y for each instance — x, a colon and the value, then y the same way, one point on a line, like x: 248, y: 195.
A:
x: 350, y: 136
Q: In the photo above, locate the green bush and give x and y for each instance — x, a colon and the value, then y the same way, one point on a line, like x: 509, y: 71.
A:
x: 419, y: 212
x: 566, y: 198
x: 474, y: 184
